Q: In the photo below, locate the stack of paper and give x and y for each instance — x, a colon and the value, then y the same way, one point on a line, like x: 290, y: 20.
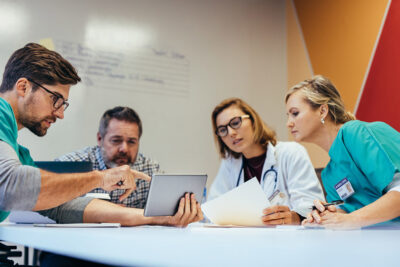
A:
x: 241, y: 206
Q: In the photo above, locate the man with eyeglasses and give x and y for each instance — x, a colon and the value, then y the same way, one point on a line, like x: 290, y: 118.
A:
x: 34, y: 94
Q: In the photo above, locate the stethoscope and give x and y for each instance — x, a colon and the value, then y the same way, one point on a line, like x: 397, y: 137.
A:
x: 272, y: 169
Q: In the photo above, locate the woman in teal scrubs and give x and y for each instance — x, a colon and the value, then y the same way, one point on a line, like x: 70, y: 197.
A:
x: 364, y: 157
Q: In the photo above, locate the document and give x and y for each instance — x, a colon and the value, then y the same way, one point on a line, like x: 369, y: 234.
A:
x: 28, y: 217
x: 242, y: 206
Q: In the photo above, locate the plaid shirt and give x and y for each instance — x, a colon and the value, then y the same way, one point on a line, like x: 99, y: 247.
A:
x: 137, y: 199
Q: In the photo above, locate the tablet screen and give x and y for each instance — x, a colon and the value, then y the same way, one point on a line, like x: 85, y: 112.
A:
x: 167, y: 189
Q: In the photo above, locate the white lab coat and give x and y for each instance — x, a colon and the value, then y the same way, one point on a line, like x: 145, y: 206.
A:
x: 296, y: 177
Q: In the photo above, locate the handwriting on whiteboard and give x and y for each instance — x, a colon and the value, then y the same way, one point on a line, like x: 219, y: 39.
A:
x: 147, y: 69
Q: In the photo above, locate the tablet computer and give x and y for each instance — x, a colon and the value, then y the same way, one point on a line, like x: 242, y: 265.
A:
x: 167, y: 189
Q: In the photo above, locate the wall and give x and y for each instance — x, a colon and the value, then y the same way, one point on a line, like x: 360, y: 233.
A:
x: 179, y: 59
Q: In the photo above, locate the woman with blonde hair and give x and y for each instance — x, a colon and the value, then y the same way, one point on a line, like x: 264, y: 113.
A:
x: 364, y: 157
x: 248, y: 149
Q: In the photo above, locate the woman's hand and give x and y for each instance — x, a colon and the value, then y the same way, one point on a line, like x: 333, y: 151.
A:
x: 280, y: 215
x: 338, y: 220
x: 315, y: 215
x: 329, y: 217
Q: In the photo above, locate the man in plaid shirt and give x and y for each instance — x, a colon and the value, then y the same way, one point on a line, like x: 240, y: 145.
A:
x: 118, y: 144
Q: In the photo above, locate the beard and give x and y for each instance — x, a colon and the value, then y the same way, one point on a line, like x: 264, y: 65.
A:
x: 112, y: 162
x: 35, y: 125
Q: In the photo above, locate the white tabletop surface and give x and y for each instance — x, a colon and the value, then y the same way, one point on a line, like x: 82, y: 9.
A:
x: 203, y: 246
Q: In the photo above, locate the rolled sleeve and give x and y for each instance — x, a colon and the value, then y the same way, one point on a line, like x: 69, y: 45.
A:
x: 69, y: 212
x: 19, y: 184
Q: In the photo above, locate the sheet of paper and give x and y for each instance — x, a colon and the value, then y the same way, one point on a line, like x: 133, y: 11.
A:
x: 28, y: 217
x: 79, y: 225
x: 242, y: 205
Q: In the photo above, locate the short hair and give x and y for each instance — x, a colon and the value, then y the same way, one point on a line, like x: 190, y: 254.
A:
x: 122, y: 114
x: 262, y: 133
x: 318, y: 91
x: 40, y: 64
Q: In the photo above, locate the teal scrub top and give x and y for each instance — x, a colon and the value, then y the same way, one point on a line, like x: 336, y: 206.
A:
x: 9, y: 134
x: 368, y: 155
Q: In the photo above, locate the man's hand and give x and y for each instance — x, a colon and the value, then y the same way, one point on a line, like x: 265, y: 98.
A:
x: 189, y: 211
x: 122, y: 177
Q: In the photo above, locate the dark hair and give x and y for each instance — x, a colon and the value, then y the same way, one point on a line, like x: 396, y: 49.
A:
x: 40, y: 64
x: 262, y: 133
x: 121, y: 114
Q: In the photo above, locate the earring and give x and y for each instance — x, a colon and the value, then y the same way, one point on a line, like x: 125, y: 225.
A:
x: 322, y: 121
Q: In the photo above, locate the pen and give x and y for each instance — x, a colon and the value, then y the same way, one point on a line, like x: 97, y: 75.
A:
x: 335, y: 202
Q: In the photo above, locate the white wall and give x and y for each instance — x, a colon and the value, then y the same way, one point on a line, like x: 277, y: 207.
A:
x: 231, y: 47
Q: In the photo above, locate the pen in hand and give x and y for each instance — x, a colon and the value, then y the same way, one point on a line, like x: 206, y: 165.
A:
x: 335, y: 202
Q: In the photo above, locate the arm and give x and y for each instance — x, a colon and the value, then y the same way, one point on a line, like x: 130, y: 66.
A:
x: 385, y: 208
x: 70, y: 212
x: 301, y: 179
x: 60, y: 188
x: 24, y: 187
x: 19, y: 184
x: 377, y: 172
x: 102, y: 211
x: 302, y: 185
x: 57, y: 189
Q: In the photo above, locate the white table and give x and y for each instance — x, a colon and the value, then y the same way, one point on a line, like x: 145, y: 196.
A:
x: 200, y: 246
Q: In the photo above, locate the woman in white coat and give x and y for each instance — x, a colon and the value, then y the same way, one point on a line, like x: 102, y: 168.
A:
x: 248, y: 149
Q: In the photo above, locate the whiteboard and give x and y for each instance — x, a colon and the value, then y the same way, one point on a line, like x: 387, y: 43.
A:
x: 170, y: 60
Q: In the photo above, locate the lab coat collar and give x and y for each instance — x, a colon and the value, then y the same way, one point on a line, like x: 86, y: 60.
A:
x: 270, y: 159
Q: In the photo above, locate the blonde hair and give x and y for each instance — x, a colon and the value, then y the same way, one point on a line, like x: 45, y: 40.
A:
x: 318, y: 91
x: 262, y: 133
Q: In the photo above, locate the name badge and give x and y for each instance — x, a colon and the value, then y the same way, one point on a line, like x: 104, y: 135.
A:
x: 344, y: 189
x: 277, y: 197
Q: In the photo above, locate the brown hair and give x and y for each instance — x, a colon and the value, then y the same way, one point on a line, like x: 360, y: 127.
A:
x: 262, y: 134
x: 36, y: 62
x: 122, y: 114
x: 318, y: 91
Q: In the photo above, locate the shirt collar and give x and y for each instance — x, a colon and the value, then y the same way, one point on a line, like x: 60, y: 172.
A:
x: 271, y: 157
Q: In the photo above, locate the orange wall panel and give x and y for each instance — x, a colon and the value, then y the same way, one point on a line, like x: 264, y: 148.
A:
x: 340, y: 36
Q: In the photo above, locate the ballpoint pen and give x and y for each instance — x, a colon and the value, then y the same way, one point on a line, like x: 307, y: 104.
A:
x: 335, y: 202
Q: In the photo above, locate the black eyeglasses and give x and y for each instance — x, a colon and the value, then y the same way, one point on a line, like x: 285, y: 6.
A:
x: 58, y: 100
x: 234, y: 123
